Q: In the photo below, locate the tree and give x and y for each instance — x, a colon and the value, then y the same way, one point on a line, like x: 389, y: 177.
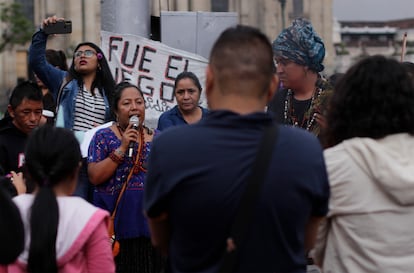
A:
x: 16, y: 29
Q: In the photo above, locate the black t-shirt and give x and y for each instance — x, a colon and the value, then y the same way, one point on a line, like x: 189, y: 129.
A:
x: 277, y: 106
x: 12, y: 145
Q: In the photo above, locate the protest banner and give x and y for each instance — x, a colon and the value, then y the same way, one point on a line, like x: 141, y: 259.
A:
x: 153, y: 67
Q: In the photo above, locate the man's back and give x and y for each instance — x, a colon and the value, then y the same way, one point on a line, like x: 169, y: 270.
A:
x: 197, y: 174
x: 201, y: 182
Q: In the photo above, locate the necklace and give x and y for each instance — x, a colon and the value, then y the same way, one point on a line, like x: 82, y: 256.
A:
x: 137, y: 158
x: 309, y: 115
x: 120, y: 129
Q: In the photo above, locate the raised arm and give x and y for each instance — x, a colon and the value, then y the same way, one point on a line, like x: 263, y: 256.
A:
x: 51, y: 76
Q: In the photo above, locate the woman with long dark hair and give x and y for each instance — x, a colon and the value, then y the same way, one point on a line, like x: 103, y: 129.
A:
x: 83, y: 94
x: 88, y: 85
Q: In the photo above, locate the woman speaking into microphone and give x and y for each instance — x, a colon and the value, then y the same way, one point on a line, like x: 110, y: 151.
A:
x: 118, y: 175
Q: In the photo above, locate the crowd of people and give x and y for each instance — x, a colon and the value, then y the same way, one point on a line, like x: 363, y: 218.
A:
x: 335, y: 198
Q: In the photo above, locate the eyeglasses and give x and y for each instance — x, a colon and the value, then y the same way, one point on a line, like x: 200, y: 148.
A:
x: 281, y: 61
x: 87, y: 53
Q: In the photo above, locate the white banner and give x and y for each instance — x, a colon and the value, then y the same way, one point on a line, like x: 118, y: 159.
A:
x: 153, y: 67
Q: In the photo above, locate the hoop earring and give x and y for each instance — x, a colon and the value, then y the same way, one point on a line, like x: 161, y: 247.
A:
x: 99, y: 56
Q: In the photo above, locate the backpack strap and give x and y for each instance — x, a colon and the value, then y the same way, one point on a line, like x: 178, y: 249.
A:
x: 245, y: 211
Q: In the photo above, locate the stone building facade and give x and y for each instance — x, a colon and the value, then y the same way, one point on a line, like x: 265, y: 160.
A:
x: 266, y: 15
x: 365, y: 38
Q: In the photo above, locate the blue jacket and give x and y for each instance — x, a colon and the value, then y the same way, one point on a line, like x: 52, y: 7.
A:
x: 53, y: 78
x: 173, y: 117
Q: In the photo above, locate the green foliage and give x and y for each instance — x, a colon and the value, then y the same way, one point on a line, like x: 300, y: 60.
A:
x: 16, y: 29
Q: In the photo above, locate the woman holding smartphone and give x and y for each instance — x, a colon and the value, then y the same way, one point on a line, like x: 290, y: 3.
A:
x: 82, y: 94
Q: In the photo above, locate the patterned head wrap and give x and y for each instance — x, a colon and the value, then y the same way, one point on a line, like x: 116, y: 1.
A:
x: 301, y: 44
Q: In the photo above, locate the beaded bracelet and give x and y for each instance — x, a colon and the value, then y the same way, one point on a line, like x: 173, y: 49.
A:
x: 116, y: 158
x: 119, y: 153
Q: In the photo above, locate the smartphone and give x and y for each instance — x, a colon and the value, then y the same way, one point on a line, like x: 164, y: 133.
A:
x: 60, y: 27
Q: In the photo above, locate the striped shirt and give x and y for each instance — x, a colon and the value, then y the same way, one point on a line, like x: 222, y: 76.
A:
x: 89, y: 110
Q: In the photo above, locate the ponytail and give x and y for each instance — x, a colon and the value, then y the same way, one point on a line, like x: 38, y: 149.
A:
x: 44, y: 220
x: 52, y: 157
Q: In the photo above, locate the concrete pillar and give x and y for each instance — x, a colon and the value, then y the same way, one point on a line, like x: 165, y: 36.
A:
x: 130, y: 16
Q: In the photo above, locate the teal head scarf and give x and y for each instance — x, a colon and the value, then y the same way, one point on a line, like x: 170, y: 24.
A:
x: 301, y: 44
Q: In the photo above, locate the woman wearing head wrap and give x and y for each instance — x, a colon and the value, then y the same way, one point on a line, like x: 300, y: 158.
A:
x: 302, y: 95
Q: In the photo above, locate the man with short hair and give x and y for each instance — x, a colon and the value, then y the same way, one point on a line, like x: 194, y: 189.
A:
x: 25, y: 110
x: 191, y: 201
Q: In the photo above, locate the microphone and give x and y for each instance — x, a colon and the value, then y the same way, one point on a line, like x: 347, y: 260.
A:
x: 135, y: 121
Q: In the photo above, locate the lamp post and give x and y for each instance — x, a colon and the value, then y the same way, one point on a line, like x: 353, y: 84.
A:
x: 83, y: 20
x: 282, y: 7
x: 138, y: 12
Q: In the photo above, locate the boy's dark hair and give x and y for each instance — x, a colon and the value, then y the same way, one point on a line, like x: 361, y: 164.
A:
x: 25, y: 89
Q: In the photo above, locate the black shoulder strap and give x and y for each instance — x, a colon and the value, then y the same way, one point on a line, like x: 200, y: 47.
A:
x: 248, y: 200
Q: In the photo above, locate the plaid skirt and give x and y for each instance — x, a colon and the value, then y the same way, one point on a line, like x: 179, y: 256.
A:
x: 137, y: 255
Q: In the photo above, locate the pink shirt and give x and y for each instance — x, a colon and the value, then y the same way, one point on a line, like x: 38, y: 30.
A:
x: 82, y: 244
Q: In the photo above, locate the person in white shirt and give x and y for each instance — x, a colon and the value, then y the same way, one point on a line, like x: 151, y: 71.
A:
x: 370, y: 164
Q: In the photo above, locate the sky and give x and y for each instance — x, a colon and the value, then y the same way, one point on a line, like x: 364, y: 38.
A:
x: 373, y: 10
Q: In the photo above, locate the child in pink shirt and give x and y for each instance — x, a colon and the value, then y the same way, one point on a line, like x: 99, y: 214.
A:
x: 63, y: 233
